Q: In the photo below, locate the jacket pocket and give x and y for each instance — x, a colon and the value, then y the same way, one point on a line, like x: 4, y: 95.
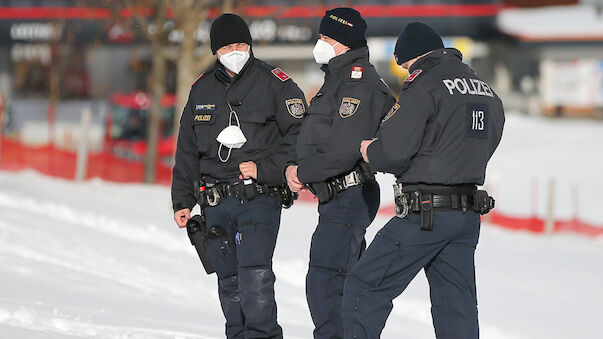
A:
x: 319, y: 118
x: 253, y: 116
x: 203, y: 126
x: 257, y: 126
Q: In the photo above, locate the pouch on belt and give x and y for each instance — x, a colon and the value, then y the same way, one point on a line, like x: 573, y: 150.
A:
x: 196, y: 230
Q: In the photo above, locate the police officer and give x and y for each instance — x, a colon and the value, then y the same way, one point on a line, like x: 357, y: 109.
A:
x: 437, y: 142
x: 237, y: 134
x: 348, y: 108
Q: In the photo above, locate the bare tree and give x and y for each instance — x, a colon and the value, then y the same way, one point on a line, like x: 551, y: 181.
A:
x: 156, y: 33
x: 186, y: 15
x: 189, y: 59
x: 54, y: 78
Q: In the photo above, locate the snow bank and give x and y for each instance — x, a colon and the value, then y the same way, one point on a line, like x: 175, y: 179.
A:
x: 103, y: 260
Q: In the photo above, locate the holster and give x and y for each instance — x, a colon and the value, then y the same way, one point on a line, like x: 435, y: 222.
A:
x: 323, y: 191
x: 366, y: 170
x: 482, y: 202
x: 196, y: 230
x: 247, y: 190
x: 285, y: 196
x: 426, y: 201
x: 200, y: 192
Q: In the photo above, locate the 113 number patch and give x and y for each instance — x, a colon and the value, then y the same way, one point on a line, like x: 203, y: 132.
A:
x: 477, y: 121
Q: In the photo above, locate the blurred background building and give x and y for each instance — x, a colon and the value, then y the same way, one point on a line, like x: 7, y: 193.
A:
x: 58, y: 57
x: 93, y: 89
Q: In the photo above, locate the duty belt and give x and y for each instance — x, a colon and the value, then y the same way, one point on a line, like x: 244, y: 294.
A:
x: 211, y: 194
x: 328, y: 190
x: 454, y: 198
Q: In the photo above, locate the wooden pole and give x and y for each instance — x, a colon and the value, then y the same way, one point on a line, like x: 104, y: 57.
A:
x: 534, y: 197
x: 82, y: 147
x: 155, y: 111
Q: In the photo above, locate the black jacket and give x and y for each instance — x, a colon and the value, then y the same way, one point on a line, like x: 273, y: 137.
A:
x: 347, y: 109
x: 270, y: 107
x: 447, y: 126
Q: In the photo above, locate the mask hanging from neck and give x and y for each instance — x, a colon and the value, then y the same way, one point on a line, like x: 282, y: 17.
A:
x: 231, y: 136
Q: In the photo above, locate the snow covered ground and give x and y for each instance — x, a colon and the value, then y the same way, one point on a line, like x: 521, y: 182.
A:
x: 536, y: 150
x: 104, y: 260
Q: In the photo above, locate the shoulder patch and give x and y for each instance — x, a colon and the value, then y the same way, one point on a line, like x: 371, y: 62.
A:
x: 391, y: 112
x: 295, y: 107
x: 357, y: 72
x: 348, y: 107
x: 199, y: 78
x: 413, y: 75
x: 280, y: 74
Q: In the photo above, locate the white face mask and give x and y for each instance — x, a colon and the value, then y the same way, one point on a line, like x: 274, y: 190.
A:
x: 231, y: 136
x: 234, y: 60
x: 323, y: 52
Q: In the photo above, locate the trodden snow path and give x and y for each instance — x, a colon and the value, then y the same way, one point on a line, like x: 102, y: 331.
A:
x: 105, y: 260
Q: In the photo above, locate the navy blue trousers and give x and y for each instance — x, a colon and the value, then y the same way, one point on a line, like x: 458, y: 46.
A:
x: 337, y: 243
x: 242, y: 260
x: 398, y: 252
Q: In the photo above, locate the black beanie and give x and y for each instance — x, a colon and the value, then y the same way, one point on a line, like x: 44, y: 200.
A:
x: 344, y: 25
x: 228, y: 29
x: 416, y: 39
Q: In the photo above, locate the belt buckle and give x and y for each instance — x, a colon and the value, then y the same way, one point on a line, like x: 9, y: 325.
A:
x: 351, y: 179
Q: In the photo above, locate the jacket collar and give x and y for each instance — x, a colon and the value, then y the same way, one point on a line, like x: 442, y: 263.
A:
x: 347, y: 59
x: 435, y: 57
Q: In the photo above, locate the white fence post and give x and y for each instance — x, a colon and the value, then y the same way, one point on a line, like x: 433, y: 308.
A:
x: 534, y: 197
x: 576, y: 202
x: 82, y: 147
x: 549, y: 226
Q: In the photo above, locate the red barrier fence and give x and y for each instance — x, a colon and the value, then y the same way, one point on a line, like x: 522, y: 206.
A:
x: 530, y: 224
x: 60, y: 163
